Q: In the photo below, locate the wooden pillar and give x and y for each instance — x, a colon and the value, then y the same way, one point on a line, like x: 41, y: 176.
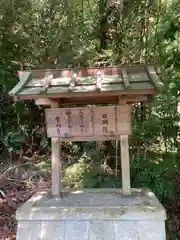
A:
x: 125, y: 166
x: 117, y: 157
x: 55, y: 161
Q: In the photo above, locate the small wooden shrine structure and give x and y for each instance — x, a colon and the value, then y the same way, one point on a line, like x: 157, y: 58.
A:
x: 90, y: 214
x: 115, y: 86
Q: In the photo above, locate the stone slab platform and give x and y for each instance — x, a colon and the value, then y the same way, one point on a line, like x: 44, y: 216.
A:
x: 92, y: 214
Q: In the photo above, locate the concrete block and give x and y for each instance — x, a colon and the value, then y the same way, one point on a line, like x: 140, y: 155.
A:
x: 92, y: 214
x: 76, y: 230
x: 125, y: 230
x: 101, y: 230
x: 151, y: 230
x: 52, y: 230
x: 28, y: 230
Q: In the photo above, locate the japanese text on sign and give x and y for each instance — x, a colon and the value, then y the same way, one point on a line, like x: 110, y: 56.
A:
x: 88, y: 122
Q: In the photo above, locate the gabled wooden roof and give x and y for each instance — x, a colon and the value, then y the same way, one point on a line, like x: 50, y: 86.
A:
x: 68, y: 83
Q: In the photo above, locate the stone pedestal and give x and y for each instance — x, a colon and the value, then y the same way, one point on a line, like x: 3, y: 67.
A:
x: 92, y: 214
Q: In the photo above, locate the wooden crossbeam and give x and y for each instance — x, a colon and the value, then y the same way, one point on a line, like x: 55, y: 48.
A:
x: 90, y: 94
x: 98, y: 81
x: 46, y: 101
x: 24, y: 77
x: 155, y: 79
x: 125, y: 78
x: 47, y: 82
x: 72, y: 82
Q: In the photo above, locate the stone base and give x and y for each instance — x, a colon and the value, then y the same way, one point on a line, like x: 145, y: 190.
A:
x: 92, y: 214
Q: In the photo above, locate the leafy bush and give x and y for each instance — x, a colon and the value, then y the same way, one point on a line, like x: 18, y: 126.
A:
x: 86, y: 175
x: 13, y: 141
x: 158, y: 174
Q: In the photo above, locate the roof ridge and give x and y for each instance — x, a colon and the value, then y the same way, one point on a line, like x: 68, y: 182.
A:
x: 84, y: 68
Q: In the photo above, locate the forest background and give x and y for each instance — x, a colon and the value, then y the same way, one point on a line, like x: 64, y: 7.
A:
x: 81, y: 33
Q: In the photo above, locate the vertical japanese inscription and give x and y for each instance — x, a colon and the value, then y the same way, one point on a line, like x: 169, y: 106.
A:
x: 88, y: 122
x: 58, y: 125
x: 116, y: 119
x: 92, y: 120
x: 104, y: 123
x: 81, y: 117
x: 69, y: 125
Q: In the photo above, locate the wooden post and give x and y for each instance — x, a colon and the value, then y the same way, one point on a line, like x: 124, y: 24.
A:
x: 117, y: 157
x: 125, y: 166
x: 55, y: 165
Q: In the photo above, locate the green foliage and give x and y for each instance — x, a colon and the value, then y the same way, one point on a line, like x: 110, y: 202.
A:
x: 52, y: 33
x: 44, y: 164
x: 158, y: 174
x: 39, y: 34
x: 13, y: 141
x: 86, y: 175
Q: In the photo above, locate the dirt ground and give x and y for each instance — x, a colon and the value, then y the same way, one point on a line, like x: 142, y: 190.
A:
x: 13, y: 195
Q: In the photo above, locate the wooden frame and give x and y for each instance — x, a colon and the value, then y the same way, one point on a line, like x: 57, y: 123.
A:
x: 118, y: 85
x: 56, y: 147
x: 72, y: 95
x: 92, y: 100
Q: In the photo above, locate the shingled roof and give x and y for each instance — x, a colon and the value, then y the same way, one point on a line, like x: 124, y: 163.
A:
x: 60, y: 83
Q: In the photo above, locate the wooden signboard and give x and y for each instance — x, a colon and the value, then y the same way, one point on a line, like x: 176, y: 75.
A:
x: 89, y: 123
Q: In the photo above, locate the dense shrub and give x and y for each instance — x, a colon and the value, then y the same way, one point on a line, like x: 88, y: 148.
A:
x: 86, y: 175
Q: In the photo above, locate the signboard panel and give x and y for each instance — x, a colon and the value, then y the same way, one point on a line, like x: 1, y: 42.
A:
x: 104, y: 121
x: 88, y: 123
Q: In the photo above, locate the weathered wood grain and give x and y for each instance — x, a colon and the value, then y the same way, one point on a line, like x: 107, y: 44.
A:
x: 34, y: 94
x: 125, y: 165
x: 55, y: 161
x: 89, y: 122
